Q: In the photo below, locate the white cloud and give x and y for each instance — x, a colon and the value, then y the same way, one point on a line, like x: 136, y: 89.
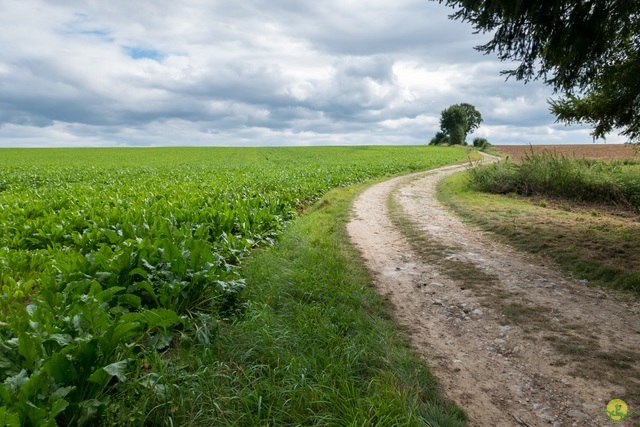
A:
x: 201, y: 72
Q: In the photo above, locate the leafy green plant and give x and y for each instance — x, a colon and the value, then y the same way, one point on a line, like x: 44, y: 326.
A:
x: 62, y: 352
x: 112, y: 259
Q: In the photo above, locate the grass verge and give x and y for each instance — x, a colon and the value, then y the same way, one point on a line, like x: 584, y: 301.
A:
x: 615, y: 182
x: 595, y: 246
x: 313, y: 346
x: 592, y: 242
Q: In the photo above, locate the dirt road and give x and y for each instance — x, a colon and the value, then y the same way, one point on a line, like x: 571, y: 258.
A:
x: 511, y: 341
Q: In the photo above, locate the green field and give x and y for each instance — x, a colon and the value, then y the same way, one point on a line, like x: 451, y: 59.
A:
x: 114, y: 262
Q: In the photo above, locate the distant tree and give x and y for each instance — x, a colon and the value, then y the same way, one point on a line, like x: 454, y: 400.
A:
x: 588, y: 50
x: 457, y: 121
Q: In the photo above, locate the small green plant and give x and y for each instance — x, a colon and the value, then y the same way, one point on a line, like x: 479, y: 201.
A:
x: 543, y: 203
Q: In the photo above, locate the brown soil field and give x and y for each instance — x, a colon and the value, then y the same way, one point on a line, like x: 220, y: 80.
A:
x: 588, y: 151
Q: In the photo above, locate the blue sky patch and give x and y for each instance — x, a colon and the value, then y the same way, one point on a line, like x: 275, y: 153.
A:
x: 137, y: 52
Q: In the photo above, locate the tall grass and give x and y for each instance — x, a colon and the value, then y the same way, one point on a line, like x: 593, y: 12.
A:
x: 587, y: 180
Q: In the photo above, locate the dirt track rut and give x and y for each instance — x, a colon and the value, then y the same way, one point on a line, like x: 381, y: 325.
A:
x: 502, y: 368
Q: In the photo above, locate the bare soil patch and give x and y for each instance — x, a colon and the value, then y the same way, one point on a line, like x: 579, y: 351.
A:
x: 512, y: 341
x: 587, y: 151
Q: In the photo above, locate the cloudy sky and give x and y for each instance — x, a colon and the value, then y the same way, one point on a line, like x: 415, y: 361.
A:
x: 252, y: 72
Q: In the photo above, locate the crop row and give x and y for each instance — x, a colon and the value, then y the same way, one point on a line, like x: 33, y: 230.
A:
x: 105, y: 258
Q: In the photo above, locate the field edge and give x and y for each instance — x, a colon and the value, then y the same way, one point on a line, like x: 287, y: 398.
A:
x: 300, y: 354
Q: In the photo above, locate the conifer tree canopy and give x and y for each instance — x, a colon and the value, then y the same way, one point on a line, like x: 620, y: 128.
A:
x: 588, y: 50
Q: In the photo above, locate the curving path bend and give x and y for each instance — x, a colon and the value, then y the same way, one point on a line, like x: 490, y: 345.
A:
x: 501, y: 373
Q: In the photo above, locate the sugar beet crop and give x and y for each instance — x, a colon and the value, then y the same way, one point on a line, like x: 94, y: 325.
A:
x: 106, y: 255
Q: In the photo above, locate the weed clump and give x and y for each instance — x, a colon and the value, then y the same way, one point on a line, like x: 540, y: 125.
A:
x: 548, y: 174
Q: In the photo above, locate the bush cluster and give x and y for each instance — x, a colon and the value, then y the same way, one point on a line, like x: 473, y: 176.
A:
x: 481, y: 143
x: 616, y: 182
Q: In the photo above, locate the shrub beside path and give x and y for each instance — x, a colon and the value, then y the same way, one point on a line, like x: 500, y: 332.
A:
x: 511, y: 340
